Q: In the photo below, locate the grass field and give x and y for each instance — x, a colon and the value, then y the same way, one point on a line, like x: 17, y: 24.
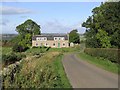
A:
x: 100, y: 62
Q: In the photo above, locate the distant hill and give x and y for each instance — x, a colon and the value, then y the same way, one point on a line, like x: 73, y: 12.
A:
x: 7, y: 36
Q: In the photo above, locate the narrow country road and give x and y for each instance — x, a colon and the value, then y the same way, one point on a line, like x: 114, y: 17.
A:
x: 81, y: 74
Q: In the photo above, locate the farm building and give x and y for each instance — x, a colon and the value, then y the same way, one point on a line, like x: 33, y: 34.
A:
x: 51, y: 40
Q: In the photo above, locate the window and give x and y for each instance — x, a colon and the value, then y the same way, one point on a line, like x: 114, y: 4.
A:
x: 41, y: 38
x: 46, y: 44
x: 63, y: 44
x: 55, y: 38
x: 53, y: 44
x: 36, y: 44
x: 59, y: 38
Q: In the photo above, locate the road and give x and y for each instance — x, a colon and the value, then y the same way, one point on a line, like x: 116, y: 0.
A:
x: 82, y: 74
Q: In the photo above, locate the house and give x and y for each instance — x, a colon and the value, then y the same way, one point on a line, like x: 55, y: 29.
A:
x: 51, y: 40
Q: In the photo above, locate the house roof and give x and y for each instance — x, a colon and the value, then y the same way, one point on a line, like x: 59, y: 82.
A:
x: 50, y: 36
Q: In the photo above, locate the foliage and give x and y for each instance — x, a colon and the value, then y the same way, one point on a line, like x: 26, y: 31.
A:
x: 74, y: 36
x: 6, y: 50
x: 19, y: 48
x: 104, y: 39
x: 35, y: 50
x: 37, y: 73
x: 25, y: 32
x: 11, y: 58
x: 28, y: 26
x: 100, y: 62
x: 6, y: 43
x: 110, y: 54
x: 104, y: 21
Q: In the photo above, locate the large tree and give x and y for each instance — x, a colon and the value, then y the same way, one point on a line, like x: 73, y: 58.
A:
x: 28, y: 26
x: 103, y: 26
x: 74, y: 36
x: 25, y: 32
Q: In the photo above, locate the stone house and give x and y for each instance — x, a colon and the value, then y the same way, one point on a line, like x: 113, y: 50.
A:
x: 51, y: 40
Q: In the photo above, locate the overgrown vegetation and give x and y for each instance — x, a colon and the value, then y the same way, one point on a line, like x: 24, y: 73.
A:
x: 10, y: 58
x: 39, y: 73
x: 109, y: 54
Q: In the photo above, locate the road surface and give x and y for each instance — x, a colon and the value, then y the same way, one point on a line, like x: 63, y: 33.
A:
x: 82, y: 74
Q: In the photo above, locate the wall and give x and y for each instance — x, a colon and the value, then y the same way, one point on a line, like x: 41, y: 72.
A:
x: 51, y: 42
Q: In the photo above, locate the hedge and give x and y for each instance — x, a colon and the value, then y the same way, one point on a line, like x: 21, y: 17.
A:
x: 107, y: 53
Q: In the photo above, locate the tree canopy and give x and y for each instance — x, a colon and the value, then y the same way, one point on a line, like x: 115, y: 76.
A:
x: 103, y: 27
x: 25, y: 32
x: 74, y: 36
x: 28, y: 26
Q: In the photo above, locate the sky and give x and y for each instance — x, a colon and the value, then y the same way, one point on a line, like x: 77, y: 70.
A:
x: 53, y: 17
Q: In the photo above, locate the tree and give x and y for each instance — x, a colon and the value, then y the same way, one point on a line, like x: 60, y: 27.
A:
x: 105, y: 20
x: 25, y: 32
x: 74, y: 36
x: 104, y: 38
x: 28, y: 26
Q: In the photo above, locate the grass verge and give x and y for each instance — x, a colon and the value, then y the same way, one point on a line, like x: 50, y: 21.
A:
x: 100, y: 62
x: 60, y: 70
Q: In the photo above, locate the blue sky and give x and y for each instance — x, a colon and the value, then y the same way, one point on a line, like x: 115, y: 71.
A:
x: 59, y: 17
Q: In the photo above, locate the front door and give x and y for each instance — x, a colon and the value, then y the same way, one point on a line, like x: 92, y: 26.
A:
x: 58, y: 45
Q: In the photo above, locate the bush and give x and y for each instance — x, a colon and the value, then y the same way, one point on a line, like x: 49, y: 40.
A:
x: 110, y: 54
x: 11, y: 58
x: 19, y: 48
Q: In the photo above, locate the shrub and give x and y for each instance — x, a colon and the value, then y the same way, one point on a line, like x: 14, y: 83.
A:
x: 110, y: 53
x: 19, y: 48
x: 11, y: 58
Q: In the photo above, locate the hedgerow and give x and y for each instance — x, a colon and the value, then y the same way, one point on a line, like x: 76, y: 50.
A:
x: 110, y: 53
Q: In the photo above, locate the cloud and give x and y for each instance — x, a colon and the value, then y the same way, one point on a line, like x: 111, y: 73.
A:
x: 4, y: 22
x: 57, y: 27
x: 6, y: 10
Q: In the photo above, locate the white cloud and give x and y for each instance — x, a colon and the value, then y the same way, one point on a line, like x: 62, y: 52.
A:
x: 6, y: 10
x: 57, y: 27
x: 4, y: 22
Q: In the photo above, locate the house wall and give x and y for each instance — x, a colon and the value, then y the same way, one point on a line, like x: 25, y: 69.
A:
x: 50, y: 43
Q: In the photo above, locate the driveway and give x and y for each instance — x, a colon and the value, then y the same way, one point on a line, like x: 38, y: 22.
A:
x: 82, y: 74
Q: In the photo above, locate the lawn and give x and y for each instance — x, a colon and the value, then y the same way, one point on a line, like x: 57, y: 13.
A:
x: 100, y: 62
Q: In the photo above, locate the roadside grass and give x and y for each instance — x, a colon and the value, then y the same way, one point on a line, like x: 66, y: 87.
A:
x: 39, y: 73
x: 57, y: 64
x: 100, y: 62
